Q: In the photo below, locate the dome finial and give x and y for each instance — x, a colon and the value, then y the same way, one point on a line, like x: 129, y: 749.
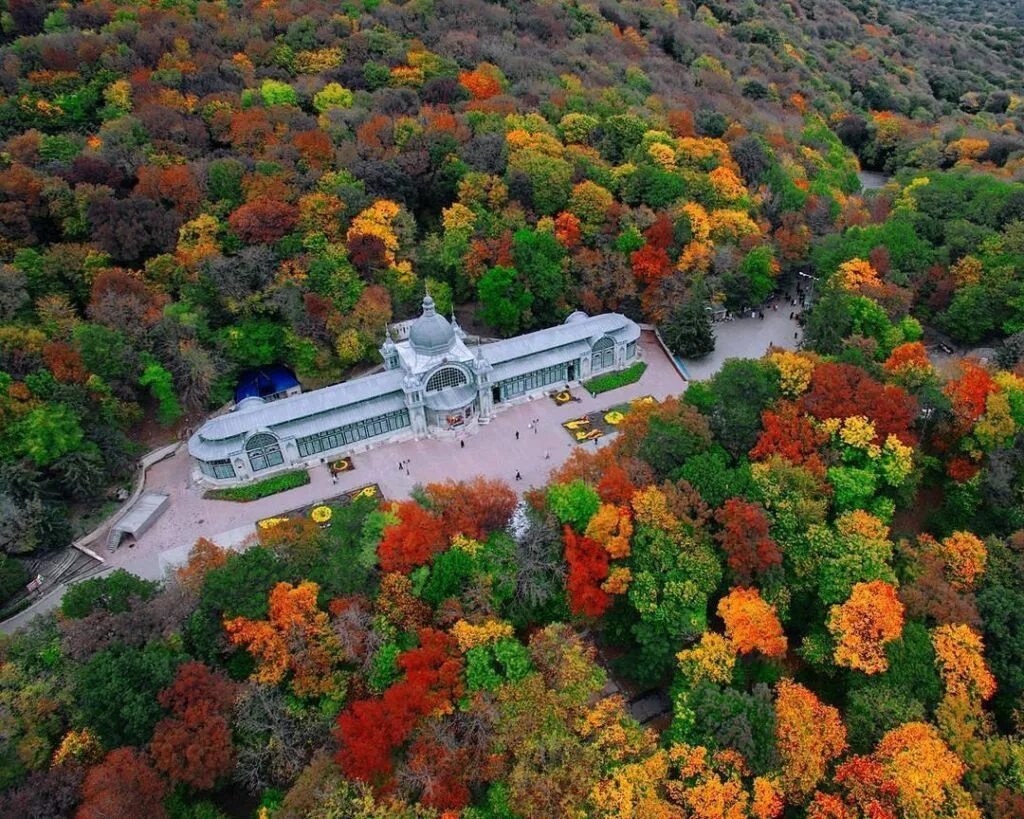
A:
x: 428, y: 303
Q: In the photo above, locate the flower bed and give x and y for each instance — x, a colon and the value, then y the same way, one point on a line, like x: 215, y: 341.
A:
x: 612, y: 381
x: 261, y: 489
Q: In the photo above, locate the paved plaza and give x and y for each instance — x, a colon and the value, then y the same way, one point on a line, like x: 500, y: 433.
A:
x: 747, y: 338
x: 491, y: 450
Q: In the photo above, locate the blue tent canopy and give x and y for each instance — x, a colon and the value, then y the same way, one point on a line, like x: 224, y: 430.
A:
x: 265, y: 381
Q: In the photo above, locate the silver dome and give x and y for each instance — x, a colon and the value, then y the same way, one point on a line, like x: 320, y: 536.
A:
x: 431, y: 334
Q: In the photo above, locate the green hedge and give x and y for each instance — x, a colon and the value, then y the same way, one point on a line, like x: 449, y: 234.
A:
x: 612, y: 381
x: 260, y: 489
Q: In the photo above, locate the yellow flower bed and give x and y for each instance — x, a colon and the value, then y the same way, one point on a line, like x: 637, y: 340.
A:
x: 365, y: 492
x: 270, y: 523
x: 321, y: 514
x: 614, y: 417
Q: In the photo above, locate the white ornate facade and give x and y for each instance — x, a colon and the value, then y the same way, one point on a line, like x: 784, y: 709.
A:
x: 432, y: 382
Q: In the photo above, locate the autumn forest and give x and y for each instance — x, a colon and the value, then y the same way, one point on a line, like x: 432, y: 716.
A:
x: 814, y: 558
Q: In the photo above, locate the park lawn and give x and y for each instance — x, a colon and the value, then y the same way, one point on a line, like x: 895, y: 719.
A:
x: 261, y: 489
x: 612, y: 381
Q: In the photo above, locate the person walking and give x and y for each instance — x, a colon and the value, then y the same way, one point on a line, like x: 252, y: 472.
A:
x: 517, y: 434
x: 519, y: 476
x: 462, y: 444
x: 547, y: 455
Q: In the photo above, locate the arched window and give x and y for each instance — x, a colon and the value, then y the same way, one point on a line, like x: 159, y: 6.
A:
x: 446, y: 377
x: 264, y: 452
x: 603, y: 355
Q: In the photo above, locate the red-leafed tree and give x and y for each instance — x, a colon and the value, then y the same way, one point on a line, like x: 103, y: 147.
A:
x: 615, y: 486
x: 843, y: 390
x: 65, y: 362
x: 968, y: 394
x: 567, y: 229
x: 369, y: 731
x: 263, y: 221
x: 661, y: 233
x: 750, y: 550
x: 472, y: 508
x: 411, y: 542
x: 786, y: 431
x: 193, y: 746
x: 315, y: 147
x: 121, y: 786
x: 588, y: 569
x: 650, y: 264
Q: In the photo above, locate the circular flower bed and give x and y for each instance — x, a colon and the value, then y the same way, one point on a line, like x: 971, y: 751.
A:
x: 614, y: 417
x: 321, y: 514
x: 341, y: 465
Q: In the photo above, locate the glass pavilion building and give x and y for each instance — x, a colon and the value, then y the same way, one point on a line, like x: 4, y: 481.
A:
x: 432, y: 382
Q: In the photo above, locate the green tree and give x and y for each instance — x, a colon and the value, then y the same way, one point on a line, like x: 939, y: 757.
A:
x: 574, y: 503
x: 113, y: 593
x: 161, y: 386
x: 254, y: 342
x: 504, y: 302
x: 13, y: 577
x: 48, y: 432
x: 829, y: 321
x: 275, y: 92
x: 115, y: 691
x: 687, y: 332
x: 743, y: 389
x: 673, y: 577
x: 539, y: 259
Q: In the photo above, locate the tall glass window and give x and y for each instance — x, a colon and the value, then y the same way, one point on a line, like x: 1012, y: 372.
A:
x: 217, y: 469
x: 338, y: 437
x: 603, y: 355
x: 264, y: 452
x: 446, y: 377
x: 523, y: 384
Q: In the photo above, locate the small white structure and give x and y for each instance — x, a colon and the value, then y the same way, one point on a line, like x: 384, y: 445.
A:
x: 432, y: 382
x: 138, y: 519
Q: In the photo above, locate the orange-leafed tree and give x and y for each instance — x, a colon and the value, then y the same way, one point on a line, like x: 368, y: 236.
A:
x: 968, y: 394
x: 959, y: 654
x: 650, y: 264
x: 749, y: 549
x: 472, y: 508
x: 867, y: 793
x: 864, y: 624
x: 567, y: 229
x: 483, y: 82
x: 193, y: 746
x: 65, y: 362
x: 413, y: 541
x: 611, y: 527
x: 926, y: 773
x: 296, y: 639
x: 809, y: 735
x: 964, y: 555
x: 857, y: 274
x: 204, y: 556
x: 908, y: 364
x: 120, y: 786
x: 751, y: 623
